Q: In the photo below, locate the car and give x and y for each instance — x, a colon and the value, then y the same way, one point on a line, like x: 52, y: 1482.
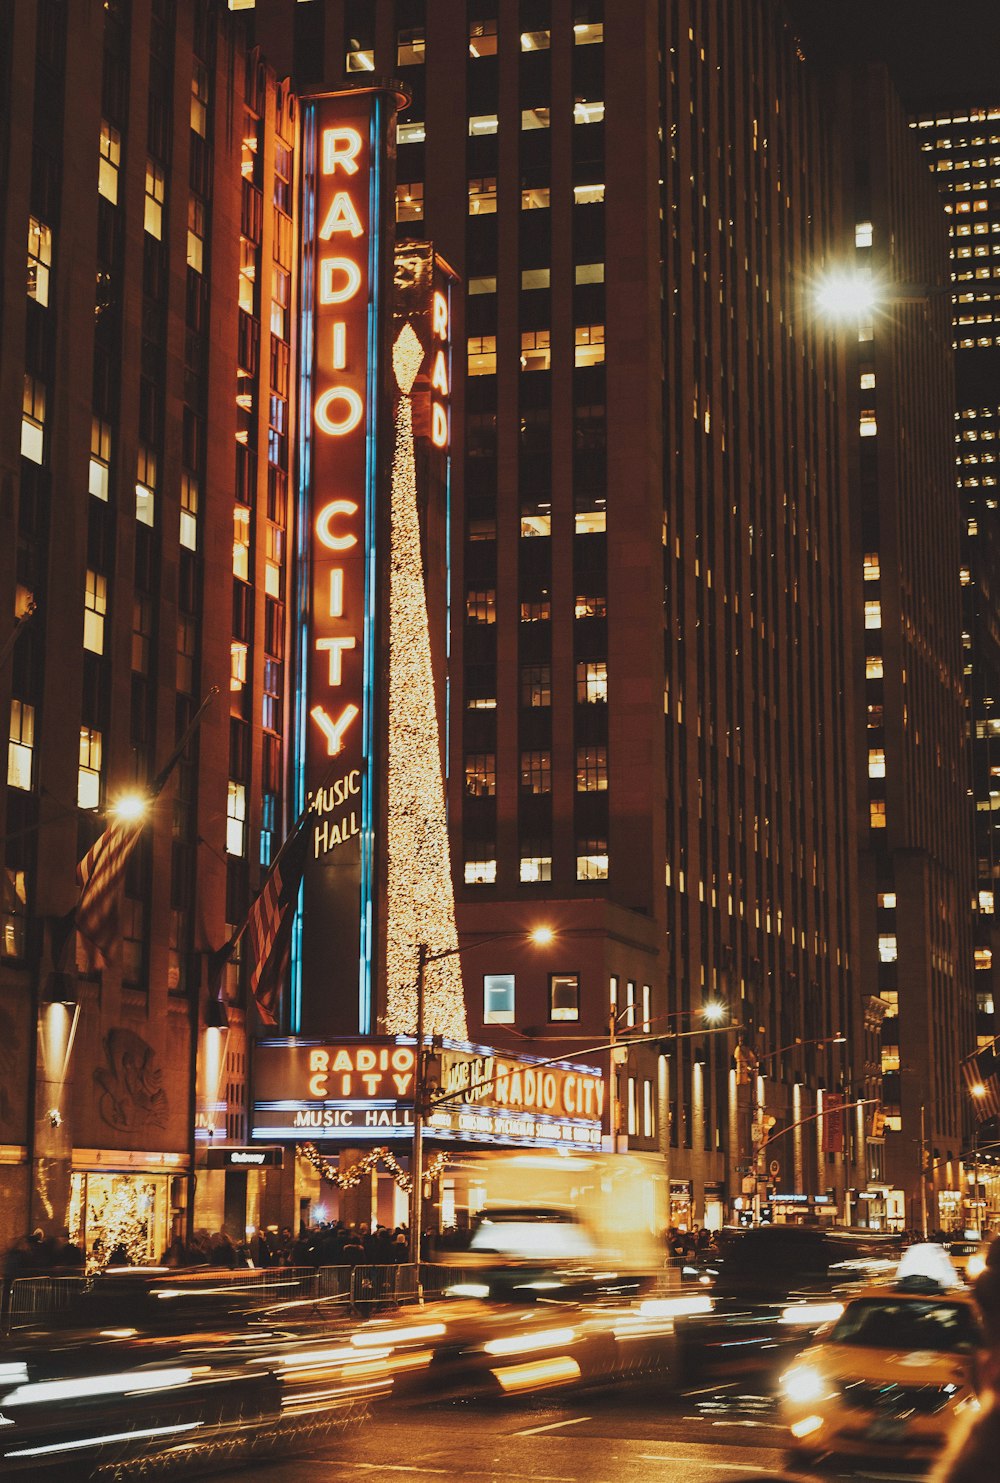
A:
x: 889, y: 1378
x: 968, y: 1257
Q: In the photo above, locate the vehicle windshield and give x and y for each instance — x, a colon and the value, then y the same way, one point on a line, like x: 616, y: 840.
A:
x: 880, y: 1323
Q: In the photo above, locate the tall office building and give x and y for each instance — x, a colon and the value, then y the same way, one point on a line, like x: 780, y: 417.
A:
x: 648, y: 735
x: 146, y: 213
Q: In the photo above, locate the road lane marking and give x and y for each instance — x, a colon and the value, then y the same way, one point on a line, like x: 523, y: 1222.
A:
x: 550, y: 1426
x: 697, y: 1462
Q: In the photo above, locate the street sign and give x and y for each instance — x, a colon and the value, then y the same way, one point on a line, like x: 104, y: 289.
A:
x: 774, y: 1166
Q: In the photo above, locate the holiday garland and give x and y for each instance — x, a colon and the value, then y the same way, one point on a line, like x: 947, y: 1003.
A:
x: 352, y: 1177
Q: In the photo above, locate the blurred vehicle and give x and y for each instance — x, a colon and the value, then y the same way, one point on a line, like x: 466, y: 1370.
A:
x: 773, y: 1287
x: 888, y: 1378
x: 968, y: 1257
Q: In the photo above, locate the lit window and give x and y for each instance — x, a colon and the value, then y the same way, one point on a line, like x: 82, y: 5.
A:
x: 536, y: 610
x: 410, y: 201
x: 863, y: 234
x: 890, y: 998
x: 95, y: 606
x: 482, y: 355
x: 873, y: 614
x: 274, y: 557
x: 536, y: 525
x: 411, y: 46
x: 592, y: 682
x: 535, y: 118
x: 538, y: 198
x: 868, y: 426
x: 536, y: 772
x: 281, y: 299
x: 893, y: 1122
x: 536, y: 278
x: 873, y: 667
x: 592, y: 865
x: 983, y: 957
x: 483, y: 123
x: 588, y: 33
x: 986, y: 903
x: 590, y: 523
x: 498, y: 999
x: 867, y: 380
x: 483, y: 286
x: 189, y: 511
x: 145, y: 486
x: 647, y: 999
x: 360, y: 59
x: 248, y: 275
x: 155, y: 191
x: 39, y: 260
x: 241, y: 543
x: 588, y: 113
x: 890, y: 1060
x: 589, y: 344
x: 876, y: 762
x: 21, y: 747
x: 480, y: 872
x: 588, y: 195
x: 33, y: 420
x: 413, y: 131
x: 100, y: 458
x: 535, y: 40
x: 866, y: 330
x: 237, y: 666
x: 535, y: 868
x: 236, y: 814
x: 630, y: 1004
x: 872, y: 568
x: 591, y: 769
x: 589, y: 273
x: 199, y: 99
x: 483, y: 39
x: 88, y: 786
x: 876, y: 813
x: 111, y: 154
x: 632, y: 1109
x: 536, y: 353
x: 482, y: 195
x: 481, y: 605
x: 887, y: 900
x: 590, y: 607
x: 648, y: 1128
x: 564, y: 996
x: 196, y: 234
x: 481, y: 774
x: 536, y: 685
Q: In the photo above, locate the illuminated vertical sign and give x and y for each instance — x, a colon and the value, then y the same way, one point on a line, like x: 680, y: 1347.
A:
x: 341, y: 409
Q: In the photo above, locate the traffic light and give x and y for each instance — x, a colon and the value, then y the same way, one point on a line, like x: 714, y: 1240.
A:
x: 878, y: 1123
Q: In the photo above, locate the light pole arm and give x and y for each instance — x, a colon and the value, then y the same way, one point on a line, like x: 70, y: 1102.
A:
x: 813, y: 1117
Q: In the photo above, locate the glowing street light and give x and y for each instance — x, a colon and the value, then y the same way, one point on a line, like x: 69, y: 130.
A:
x: 846, y: 295
x: 130, y: 807
x: 715, y: 1011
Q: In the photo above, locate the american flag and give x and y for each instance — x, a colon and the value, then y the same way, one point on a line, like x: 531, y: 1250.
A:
x: 982, y: 1077
x: 99, y: 876
x: 268, y: 926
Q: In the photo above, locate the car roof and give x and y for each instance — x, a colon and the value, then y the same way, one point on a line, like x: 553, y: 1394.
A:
x: 885, y: 1292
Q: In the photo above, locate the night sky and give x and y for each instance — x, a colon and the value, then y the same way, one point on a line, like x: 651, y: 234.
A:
x: 935, y: 49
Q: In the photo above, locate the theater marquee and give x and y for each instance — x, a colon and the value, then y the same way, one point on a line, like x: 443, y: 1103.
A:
x: 363, y: 1089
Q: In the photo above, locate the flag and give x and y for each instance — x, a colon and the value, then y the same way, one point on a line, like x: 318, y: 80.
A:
x: 833, y: 1123
x: 102, y: 869
x: 982, y: 1077
x: 268, y: 926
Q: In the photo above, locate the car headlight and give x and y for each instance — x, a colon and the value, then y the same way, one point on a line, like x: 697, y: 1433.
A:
x: 975, y: 1266
x: 803, y: 1384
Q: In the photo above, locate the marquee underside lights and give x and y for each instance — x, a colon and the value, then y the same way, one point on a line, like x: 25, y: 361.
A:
x: 420, y: 899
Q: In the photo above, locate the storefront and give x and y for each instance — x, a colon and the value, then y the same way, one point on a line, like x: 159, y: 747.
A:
x: 789, y: 1207
x: 126, y: 1200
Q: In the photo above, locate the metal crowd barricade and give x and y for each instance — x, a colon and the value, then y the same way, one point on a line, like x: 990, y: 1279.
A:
x: 375, y: 1288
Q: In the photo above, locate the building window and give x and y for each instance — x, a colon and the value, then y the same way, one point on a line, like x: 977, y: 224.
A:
x: 876, y: 813
x: 588, y: 33
x: 145, y: 486
x: 481, y: 774
x: 360, y: 59
x: 88, y: 786
x: 590, y: 523
x: 111, y: 155
x: 411, y: 46
x: 412, y: 131
x: 592, y: 682
x: 483, y: 286
x: 564, y: 996
x: 33, y: 420
x: 647, y: 1005
x: 863, y: 234
x: 538, y: 610
x: 588, y: 273
x: 94, y: 609
x: 483, y: 39
x: 21, y: 747
x: 483, y: 123
x: 142, y: 633
x: 535, y: 40
x: 590, y: 606
x: 187, y: 648
x: 237, y: 665
x: 887, y: 947
x: 536, y: 772
x: 481, y: 605
x: 241, y: 543
x: 648, y: 1124
x: 236, y: 813
x: 39, y: 260
x: 538, y: 198
x: 591, y: 769
x: 538, y: 524
x: 876, y: 762
x: 498, y: 999
x: 281, y: 298
x: 872, y: 566
x: 588, y: 113
x: 536, y: 685
x: 100, y: 458
x: 155, y: 192
x: 282, y: 194
x: 613, y: 992
x: 196, y: 234
x: 535, y: 118
x: 873, y: 614
x: 536, y: 278
x: 589, y: 346
x: 535, y: 868
x: 592, y: 860
x: 867, y: 381
x: 410, y: 201
x: 189, y: 511
x: 630, y: 1004
x: 536, y: 353
x: 483, y: 195
x: 886, y: 900
x: 588, y: 195
x: 199, y: 100
x: 274, y: 557
x: 482, y: 350
x: 868, y: 426
x: 480, y: 872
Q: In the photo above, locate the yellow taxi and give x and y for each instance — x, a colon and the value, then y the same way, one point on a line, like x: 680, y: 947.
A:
x: 891, y: 1375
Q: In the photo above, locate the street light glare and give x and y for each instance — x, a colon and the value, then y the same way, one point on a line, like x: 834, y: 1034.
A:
x: 978, y: 1090
x: 714, y: 1012
x: 542, y: 936
x: 130, y: 807
x: 845, y: 296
